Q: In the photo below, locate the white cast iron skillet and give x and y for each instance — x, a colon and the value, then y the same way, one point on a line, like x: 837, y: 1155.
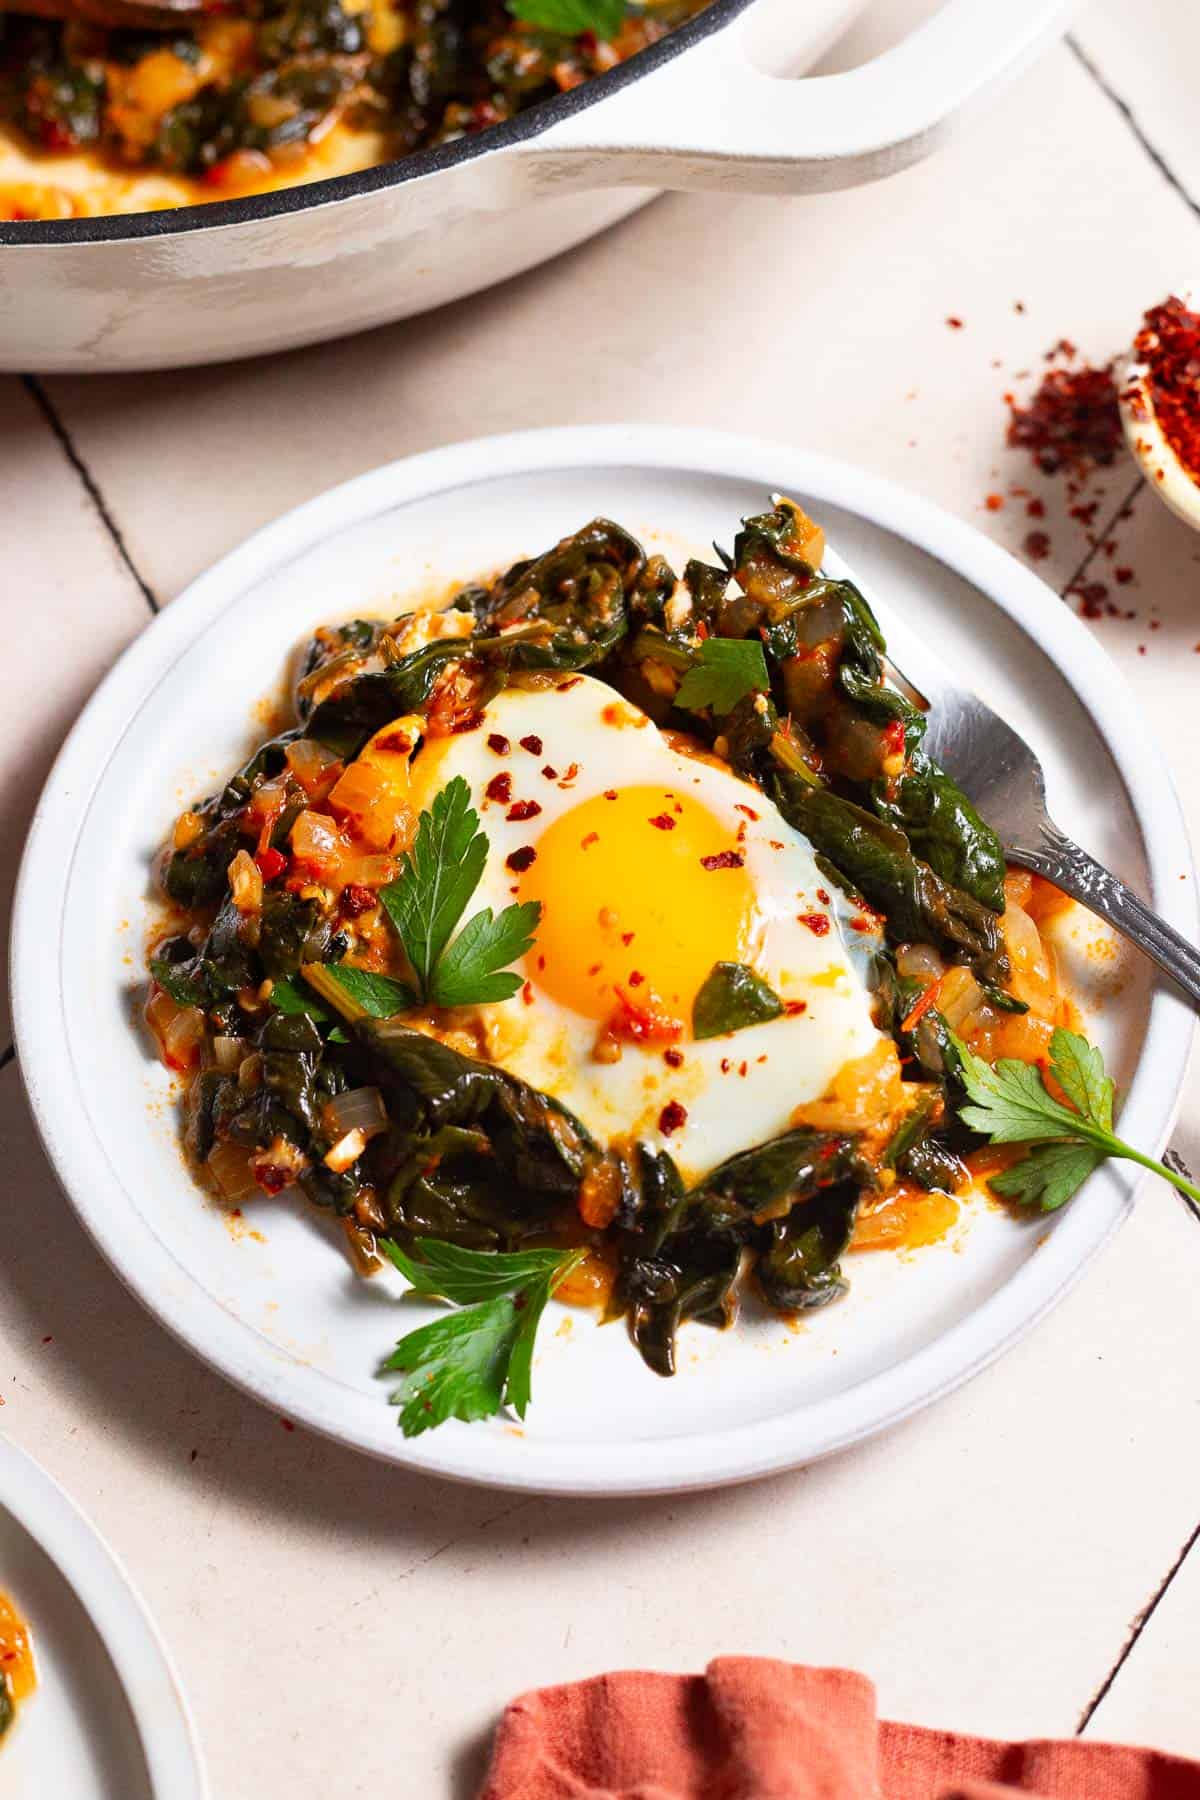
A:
x: 269, y: 272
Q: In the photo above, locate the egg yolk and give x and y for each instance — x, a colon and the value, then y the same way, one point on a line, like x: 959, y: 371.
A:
x: 642, y: 890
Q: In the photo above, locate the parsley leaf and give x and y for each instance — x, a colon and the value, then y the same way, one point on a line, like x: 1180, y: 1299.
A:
x: 471, y: 1362
x: 173, y: 978
x: 379, y: 996
x: 1011, y: 1104
x: 429, y: 897
x: 290, y: 997
x: 440, y: 873
x: 731, y: 997
x: 724, y: 670
x: 571, y: 17
x: 470, y: 969
x: 1049, y: 1176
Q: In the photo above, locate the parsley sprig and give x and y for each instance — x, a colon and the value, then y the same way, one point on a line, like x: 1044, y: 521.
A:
x: 724, y: 670
x: 429, y: 896
x: 1011, y: 1104
x: 571, y: 17
x: 469, y: 1363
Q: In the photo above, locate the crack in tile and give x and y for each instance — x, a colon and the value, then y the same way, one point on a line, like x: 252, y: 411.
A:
x: 49, y: 412
x: 1139, y: 1624
x: 1131, y: 119
x: 1102, y: 536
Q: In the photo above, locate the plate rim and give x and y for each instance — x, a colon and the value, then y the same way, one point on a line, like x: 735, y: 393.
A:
x: 693, y: 1460
x: 132, y: 1640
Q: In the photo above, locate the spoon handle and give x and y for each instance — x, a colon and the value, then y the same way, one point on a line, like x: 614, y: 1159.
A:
x: 1073, y: 870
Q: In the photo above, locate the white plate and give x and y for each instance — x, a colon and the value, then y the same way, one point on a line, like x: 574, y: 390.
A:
x: 108, y: 1720
x: 280, y: 1313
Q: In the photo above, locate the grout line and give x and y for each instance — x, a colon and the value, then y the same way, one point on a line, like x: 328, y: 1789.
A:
x: 1127, y: 113
x: 1106, y: 531
x: 1173, y: 1160
x: 1139, y: 1625
x: 47, y: 409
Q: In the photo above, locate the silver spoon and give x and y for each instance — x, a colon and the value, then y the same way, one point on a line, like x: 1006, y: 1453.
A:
x: 1000, y: 773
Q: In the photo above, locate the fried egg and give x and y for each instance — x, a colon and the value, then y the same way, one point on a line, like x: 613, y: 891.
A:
x: 651, y: 865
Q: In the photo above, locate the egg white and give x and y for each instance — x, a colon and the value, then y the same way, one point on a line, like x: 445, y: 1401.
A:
x: 738, y: 1089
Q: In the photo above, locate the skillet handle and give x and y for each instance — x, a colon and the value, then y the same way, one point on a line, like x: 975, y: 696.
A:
x: 708, y: 119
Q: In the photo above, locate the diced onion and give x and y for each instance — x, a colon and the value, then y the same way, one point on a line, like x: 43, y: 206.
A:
x: 245, y: 883
x: 309, y: 762
x: 179, y: 1029
x: 317, y: 842
x: 347, y: 1150
x: 231, y: 1167
x: 358, y: 1109
x: 958, y: 995
x: 228, y: 1053
x: 919, y: 962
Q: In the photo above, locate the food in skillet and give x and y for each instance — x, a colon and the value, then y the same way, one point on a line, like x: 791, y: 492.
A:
x: 613, y: 934
x: 18, y: 1676
x: 258, y: 94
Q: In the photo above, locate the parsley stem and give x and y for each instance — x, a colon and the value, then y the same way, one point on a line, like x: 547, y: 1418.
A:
x: 1191, y: 1193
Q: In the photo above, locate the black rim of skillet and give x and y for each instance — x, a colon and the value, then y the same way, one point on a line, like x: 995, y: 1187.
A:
x: 212, y: 215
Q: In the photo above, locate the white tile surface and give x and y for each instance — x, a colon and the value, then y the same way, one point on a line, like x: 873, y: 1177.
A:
x: 984, y: 1563
x: 71, y: 607
x: 1147, y: 56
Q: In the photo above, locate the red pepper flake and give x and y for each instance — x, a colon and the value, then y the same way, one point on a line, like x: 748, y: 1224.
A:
x: 823, y: 896
x: 858, y: 924
x: 527, y: 993
x: 748, y: 810
x: 564, y: 687
x: 1072, y: 421
x: 499, y: 788
x: 674, y: 1058
x: 1036, y: 509
x: 1092, y: 595
x: 994, y: 502
x: 356, y: 900
x: 636, y: 978
x: 469, y: 722
x: 726, y: 1065
x: 643, y: 1020
x: 568, y: 779
x: 270, y: 863
x: 775, y: 843
x: 793, y: 1008
x: 672, y: 1117
x: 520, y: 860
x: 724, y: 859
x: 610, y: 793
x: 663, y: 822
x: 499, y: 744
x: 1169, y: 346
x: 627, y: 938
x: 1156, y: 624
x: 1037, y: 545
x: 743, y: 1069
x: 593, y: 837
x: 549, y: 773
x: 818, y: 923
x: 272, y: 1179
x: 47, y: 1340
x: 399, y: 741
x: 954, y: 322
x: 287, y: 1424
x: 532, y: 743
x: 520, y: 810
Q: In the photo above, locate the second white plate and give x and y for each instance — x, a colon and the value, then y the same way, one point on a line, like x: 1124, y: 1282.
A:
x: 273, y: 1305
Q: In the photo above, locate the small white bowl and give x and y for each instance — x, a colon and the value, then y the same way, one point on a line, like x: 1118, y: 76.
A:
x: 1164, y: 472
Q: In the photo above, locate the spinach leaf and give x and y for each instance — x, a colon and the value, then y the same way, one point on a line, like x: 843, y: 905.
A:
x: 732, y: 997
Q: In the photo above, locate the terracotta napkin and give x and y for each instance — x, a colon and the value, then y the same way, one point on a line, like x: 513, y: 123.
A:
x: 752, y: 1729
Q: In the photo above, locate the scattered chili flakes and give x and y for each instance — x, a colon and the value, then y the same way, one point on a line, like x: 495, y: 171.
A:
x: 663, y: 822
x: 723, y: 859
x: 793, y: 1008
x: 356, y: 900
x: 954, y: 322
x: 672, y: 1117
x: 636, y: 978
x: 1035, y: 508
x: 1037, y: 545
x: 610, y: 793
x: 520, y: 810
x: 287, y: 1424
x: 818, y: 923
x: 593, y: 837
x: 469, y: 722
x: 499, y: 744
x: 499, y: 788
x: 1072, y: 422
x: 520, y: 860
x: 823, y: 896
x: 532, y: 743
x: 673, y: 1058
x: 550, y: 773
x: 748, y: 810
x: 995, y: 502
